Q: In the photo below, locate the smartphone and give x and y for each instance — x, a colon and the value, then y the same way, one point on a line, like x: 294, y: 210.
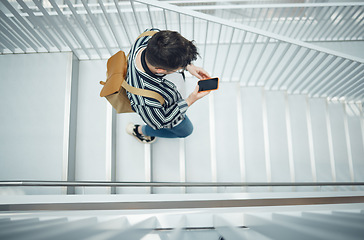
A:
x: 208, y: 84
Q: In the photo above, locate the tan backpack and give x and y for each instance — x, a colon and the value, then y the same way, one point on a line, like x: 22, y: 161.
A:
x: 115, y: 87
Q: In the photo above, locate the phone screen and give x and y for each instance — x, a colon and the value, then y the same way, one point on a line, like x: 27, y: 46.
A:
x: 208, y: 84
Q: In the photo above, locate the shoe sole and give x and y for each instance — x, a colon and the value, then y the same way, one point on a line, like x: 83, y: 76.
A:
x: 130, y: 130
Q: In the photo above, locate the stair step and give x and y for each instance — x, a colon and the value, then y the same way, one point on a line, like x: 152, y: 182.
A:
x: 132, y: 157
x: 253, y: 130
x: 227, y: 145
x: 355, y: 128
x: 320, y: 137
x: 199, y: 165
x: 303, y: 172
x: 93, y: 150
x: 168, y: 163
x: 339, y: 143
x: 279, y: 151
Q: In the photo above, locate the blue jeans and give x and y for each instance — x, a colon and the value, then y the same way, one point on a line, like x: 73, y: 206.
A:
x: 182, y: 130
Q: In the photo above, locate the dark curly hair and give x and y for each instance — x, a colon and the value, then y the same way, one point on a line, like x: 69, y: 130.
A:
x: 170, y: 50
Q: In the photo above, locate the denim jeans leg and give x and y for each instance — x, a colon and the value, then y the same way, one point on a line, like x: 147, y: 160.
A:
x: 182, y: 130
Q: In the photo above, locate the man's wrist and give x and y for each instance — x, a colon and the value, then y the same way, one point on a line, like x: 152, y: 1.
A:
x: 189, y: 100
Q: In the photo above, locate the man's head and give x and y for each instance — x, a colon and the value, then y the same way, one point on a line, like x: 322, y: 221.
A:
x: 169, y: 51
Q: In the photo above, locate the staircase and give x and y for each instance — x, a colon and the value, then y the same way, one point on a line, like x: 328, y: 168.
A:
x: 286, y: 123
x: 336, y: 224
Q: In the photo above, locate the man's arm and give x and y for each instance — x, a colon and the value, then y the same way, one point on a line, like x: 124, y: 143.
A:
x: 195, y: 95
x: 200, y: 73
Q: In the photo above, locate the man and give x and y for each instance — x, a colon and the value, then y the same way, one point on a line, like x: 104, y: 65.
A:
x: 150, y: 59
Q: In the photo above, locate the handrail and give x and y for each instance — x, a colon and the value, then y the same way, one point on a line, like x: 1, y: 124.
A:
x: 25, y: 183
x: 262, y: 5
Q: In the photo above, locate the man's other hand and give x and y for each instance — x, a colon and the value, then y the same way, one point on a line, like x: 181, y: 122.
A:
x: 198, y: 72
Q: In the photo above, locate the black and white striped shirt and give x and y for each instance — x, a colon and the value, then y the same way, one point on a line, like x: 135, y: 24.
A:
x: 150, y: 110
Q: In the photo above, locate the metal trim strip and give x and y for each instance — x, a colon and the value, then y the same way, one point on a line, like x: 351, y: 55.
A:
x: 235, y: 203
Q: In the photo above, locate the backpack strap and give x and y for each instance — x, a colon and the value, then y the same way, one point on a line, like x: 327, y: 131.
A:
x: 147, y: 33
x: 144, y: 34
x: 143, y: 92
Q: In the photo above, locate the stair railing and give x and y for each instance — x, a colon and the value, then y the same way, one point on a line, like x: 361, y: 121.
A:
x: 230, y: 50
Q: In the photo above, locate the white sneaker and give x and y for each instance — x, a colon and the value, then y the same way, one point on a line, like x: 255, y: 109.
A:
x: 132, y: 129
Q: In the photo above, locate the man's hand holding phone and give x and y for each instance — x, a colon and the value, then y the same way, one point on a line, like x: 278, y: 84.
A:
x: 195, y: 95
x: 204, y: 86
